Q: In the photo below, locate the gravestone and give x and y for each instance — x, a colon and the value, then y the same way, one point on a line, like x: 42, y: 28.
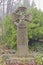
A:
x: 22, y: 36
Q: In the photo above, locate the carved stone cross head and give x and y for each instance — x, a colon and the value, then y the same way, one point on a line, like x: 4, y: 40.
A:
x: 20, y: 15
x: 21, y: 9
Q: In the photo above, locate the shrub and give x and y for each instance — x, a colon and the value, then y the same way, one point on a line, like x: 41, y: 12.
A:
x: 39, y: 59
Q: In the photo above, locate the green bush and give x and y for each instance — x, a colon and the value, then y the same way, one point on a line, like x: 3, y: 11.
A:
x: 10, y: 31
x: 36, y: 46
x: 39, y: 59
x: 35, y: 27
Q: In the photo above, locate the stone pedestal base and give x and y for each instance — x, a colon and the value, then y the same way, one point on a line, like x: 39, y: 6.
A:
x: 29, y: 55
x: 18, y: 59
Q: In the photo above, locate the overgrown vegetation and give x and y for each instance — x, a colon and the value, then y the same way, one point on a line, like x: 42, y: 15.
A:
x: 10, y: 32
x: 39, y: 59
x: 35, y: 28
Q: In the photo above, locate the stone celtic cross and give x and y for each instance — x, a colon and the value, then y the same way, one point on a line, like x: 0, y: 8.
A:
x: 22, y: 37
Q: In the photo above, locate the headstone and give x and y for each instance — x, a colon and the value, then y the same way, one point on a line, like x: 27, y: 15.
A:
x: 22, y: 39
x: 22, y: 36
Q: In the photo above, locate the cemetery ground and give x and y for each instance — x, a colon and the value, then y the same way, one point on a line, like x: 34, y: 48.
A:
x: 8, y: 57
x: 8, y: 46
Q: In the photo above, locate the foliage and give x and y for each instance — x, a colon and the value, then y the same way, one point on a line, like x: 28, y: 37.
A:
x: 35, y: 27
x: 39, y: 59
x: 36, y: 46
x: 0, y: 59
x: 10, y: 31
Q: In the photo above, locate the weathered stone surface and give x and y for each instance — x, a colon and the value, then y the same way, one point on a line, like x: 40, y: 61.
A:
x: 22, y: 40
x: 22, y: 36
